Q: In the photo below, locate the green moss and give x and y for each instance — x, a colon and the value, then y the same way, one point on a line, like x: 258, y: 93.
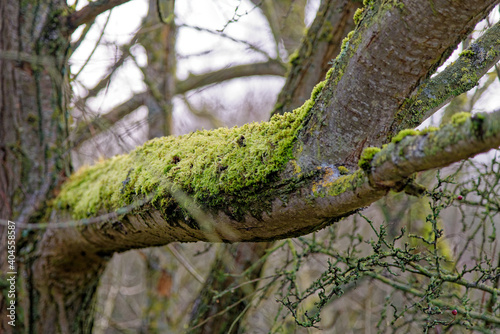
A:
x: 460, y: 118
x: 317, y: 89
x: 428, y: 130
x: 294, y: 57
x: 366, y: 157
x: 329, y: 73
x: 402, y: 134
x: 343, y: 170
x: 467, y: 53
x: 477, y: 125
x: 207, y: 165
x: 339, y: 185
x: 345, y: 41
x: 358, y: 15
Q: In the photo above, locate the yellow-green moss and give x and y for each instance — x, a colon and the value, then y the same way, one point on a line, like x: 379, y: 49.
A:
x: 205, y: 164
x: 460, y: 118
x: 365, y: 160
x: 343, y: 170
x: 332, y: 185
x: 402, y: 134
x: 428, y: 130
x: 467, y: 53
x: 358, y: 14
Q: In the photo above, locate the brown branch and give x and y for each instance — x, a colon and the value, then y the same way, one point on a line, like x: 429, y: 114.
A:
x: 86, y: 130
x: 272, y: 67
x: 330, y: 198
x: 313, y: 58
x: 90, y: 12
x: 459, y: 77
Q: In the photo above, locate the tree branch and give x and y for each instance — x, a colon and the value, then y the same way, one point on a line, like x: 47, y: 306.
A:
x: 90, y: 12
x: 271, y: 67
x: 312, y: 60
x: 86, y: 130
x: 265, y: 181
x: 391, y: 51
x: 457, y: 78
x: 285, y: 210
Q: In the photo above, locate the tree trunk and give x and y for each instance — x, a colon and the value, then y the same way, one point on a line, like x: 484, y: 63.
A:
x: 54, y: 293
x: 259, y: 182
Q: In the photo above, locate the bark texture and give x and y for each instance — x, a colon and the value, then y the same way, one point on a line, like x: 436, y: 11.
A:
x: 34, y: 157
x: 320, y: 46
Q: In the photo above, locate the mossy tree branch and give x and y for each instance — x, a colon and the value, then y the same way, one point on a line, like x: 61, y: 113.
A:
x: 391, y: 51
x: 297, y: 205
x: 457, y: 78
x: 281, y: 178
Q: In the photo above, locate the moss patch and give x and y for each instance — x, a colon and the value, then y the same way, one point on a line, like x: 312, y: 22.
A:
x: 460, y: 118
x: 402, y: 134
x: 365, y: 160
x: 207, y: 165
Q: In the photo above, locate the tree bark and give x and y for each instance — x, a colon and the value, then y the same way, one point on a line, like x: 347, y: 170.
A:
x: 53, y: 293
x: 312, y: 60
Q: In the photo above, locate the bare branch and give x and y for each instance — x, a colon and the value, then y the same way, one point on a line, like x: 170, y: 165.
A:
x: 272, y: 67
x: 90, y: 12
x: 85, y: 130
x: 104, y: 122
x: 457, y: 78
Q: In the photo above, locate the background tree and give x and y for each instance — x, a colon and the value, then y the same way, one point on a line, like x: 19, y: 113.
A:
x: 291, y: 176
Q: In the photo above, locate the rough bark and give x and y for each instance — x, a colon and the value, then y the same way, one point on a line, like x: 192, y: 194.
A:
x: 391, y: 52
x: 34, y: 159
x: 320, y: 46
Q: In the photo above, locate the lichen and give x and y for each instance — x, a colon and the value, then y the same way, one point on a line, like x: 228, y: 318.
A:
x: 366, y: 158
x: 402, y: 134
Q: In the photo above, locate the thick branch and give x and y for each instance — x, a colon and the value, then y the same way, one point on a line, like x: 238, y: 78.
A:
x: 313, y: 59
x: 392, y: 50
x: 293, y: 206
x: 90, y: 12
x: 265, y: 181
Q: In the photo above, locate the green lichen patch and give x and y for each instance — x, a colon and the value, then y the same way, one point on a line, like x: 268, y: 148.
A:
x: 402, y: 134
x: 207, y: 165
x: 365, y: 160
